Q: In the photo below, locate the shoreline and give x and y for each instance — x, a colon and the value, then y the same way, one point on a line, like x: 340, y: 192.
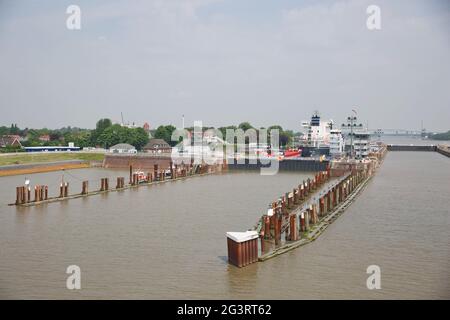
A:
x: 41, y: 167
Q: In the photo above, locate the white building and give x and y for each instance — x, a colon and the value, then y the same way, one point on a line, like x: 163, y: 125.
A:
x: 336, y: 143
x: 361, y: 143
x: 122, y: 148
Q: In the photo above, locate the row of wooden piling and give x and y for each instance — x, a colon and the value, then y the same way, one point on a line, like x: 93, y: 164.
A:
x: 296, y: 222
x: 297, y: 212
x: 23, y: 193
x: 64, y: 190
x: 279, y: 218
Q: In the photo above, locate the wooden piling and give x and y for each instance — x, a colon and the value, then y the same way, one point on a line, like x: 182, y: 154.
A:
x: 131, y: 174
x: 302, y: 222
x: 66, y: 189
x: 293, y: 228
x: 155, y: 171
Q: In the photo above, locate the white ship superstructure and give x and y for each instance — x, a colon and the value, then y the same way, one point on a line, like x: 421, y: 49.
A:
x: 317, y: 131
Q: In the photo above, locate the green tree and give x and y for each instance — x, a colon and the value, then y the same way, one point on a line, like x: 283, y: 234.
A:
x: 138, y: 138
x: 115, y: 134
x: 14, y: 129
x: 112, y: 135
x: 100, y: 127
x: 165, y: 133
x: 245, y: 126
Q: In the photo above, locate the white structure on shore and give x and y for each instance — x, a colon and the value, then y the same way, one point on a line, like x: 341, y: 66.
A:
x: 336, y: 143
x: 361, y: 144
x: 122, y: 148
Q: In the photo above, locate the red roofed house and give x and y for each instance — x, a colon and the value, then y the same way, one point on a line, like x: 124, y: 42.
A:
x: 44, y: 138
x: 10, y: 141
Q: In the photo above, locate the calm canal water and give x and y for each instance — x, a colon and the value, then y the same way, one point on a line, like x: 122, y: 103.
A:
x: 168, y: 241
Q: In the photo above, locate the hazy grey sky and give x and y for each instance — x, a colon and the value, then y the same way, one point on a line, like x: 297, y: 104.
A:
x: 224, y: 62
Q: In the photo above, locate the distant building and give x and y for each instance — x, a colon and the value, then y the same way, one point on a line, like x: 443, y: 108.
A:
x: 51, y: 149
x: 336, y: 143
x: 130, y: 126
x: 157, y: 146
x: 146, y: 127
x: 10, y: 141
x: 122, y: 148
x: 361, y: 143
x: 44, y: 138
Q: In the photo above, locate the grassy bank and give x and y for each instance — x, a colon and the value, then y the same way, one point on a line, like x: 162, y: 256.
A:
x: 23, y: 158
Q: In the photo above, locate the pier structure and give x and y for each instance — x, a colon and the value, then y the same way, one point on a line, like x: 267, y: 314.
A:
x: 300, y: 216
x: 242, y: 247
x: 444, y: 150
x: 158, y: 175
x: 289, y: 164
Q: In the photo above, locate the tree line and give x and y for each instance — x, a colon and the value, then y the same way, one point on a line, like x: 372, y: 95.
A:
x: 107, y: 134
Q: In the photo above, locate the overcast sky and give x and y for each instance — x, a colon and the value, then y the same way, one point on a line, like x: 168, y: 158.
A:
x: 224, y: 62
